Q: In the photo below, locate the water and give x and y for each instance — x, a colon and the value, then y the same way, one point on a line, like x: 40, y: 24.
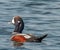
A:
x: 40, y: 17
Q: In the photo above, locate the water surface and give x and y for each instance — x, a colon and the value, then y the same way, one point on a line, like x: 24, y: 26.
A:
x: 40, y: 17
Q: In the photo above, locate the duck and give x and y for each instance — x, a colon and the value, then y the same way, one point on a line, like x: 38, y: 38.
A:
x: 18, y: 38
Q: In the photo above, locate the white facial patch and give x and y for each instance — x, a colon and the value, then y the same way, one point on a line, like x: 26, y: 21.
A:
x: 13, y: 21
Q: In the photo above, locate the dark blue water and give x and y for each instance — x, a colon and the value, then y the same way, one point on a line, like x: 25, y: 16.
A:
x: 40, y: 17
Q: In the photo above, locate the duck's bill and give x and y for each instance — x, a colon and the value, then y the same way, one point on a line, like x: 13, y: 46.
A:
x: 9, y: 22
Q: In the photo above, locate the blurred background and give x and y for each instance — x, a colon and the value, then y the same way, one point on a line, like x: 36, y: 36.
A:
x: 39, y: 16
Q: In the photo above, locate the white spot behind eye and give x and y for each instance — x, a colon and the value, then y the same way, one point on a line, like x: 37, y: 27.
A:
x: 18, y: 21
x: 13, y: 21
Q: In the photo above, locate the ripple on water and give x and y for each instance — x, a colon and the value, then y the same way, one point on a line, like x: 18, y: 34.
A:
x: 40, y: 17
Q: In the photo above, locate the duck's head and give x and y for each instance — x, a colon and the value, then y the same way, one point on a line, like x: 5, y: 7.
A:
x: 19, y: 24
x: 16, y: 19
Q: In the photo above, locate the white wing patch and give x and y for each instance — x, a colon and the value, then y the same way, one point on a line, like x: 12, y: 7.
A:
x: 27, y: 36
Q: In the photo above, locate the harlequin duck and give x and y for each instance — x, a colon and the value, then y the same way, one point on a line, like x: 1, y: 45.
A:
x: 18, y: 37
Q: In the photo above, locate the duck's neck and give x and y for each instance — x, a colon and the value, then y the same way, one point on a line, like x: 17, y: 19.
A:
x: 19, y: 27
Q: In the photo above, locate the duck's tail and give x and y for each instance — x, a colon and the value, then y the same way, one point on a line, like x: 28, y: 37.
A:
x: 41, y: 38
